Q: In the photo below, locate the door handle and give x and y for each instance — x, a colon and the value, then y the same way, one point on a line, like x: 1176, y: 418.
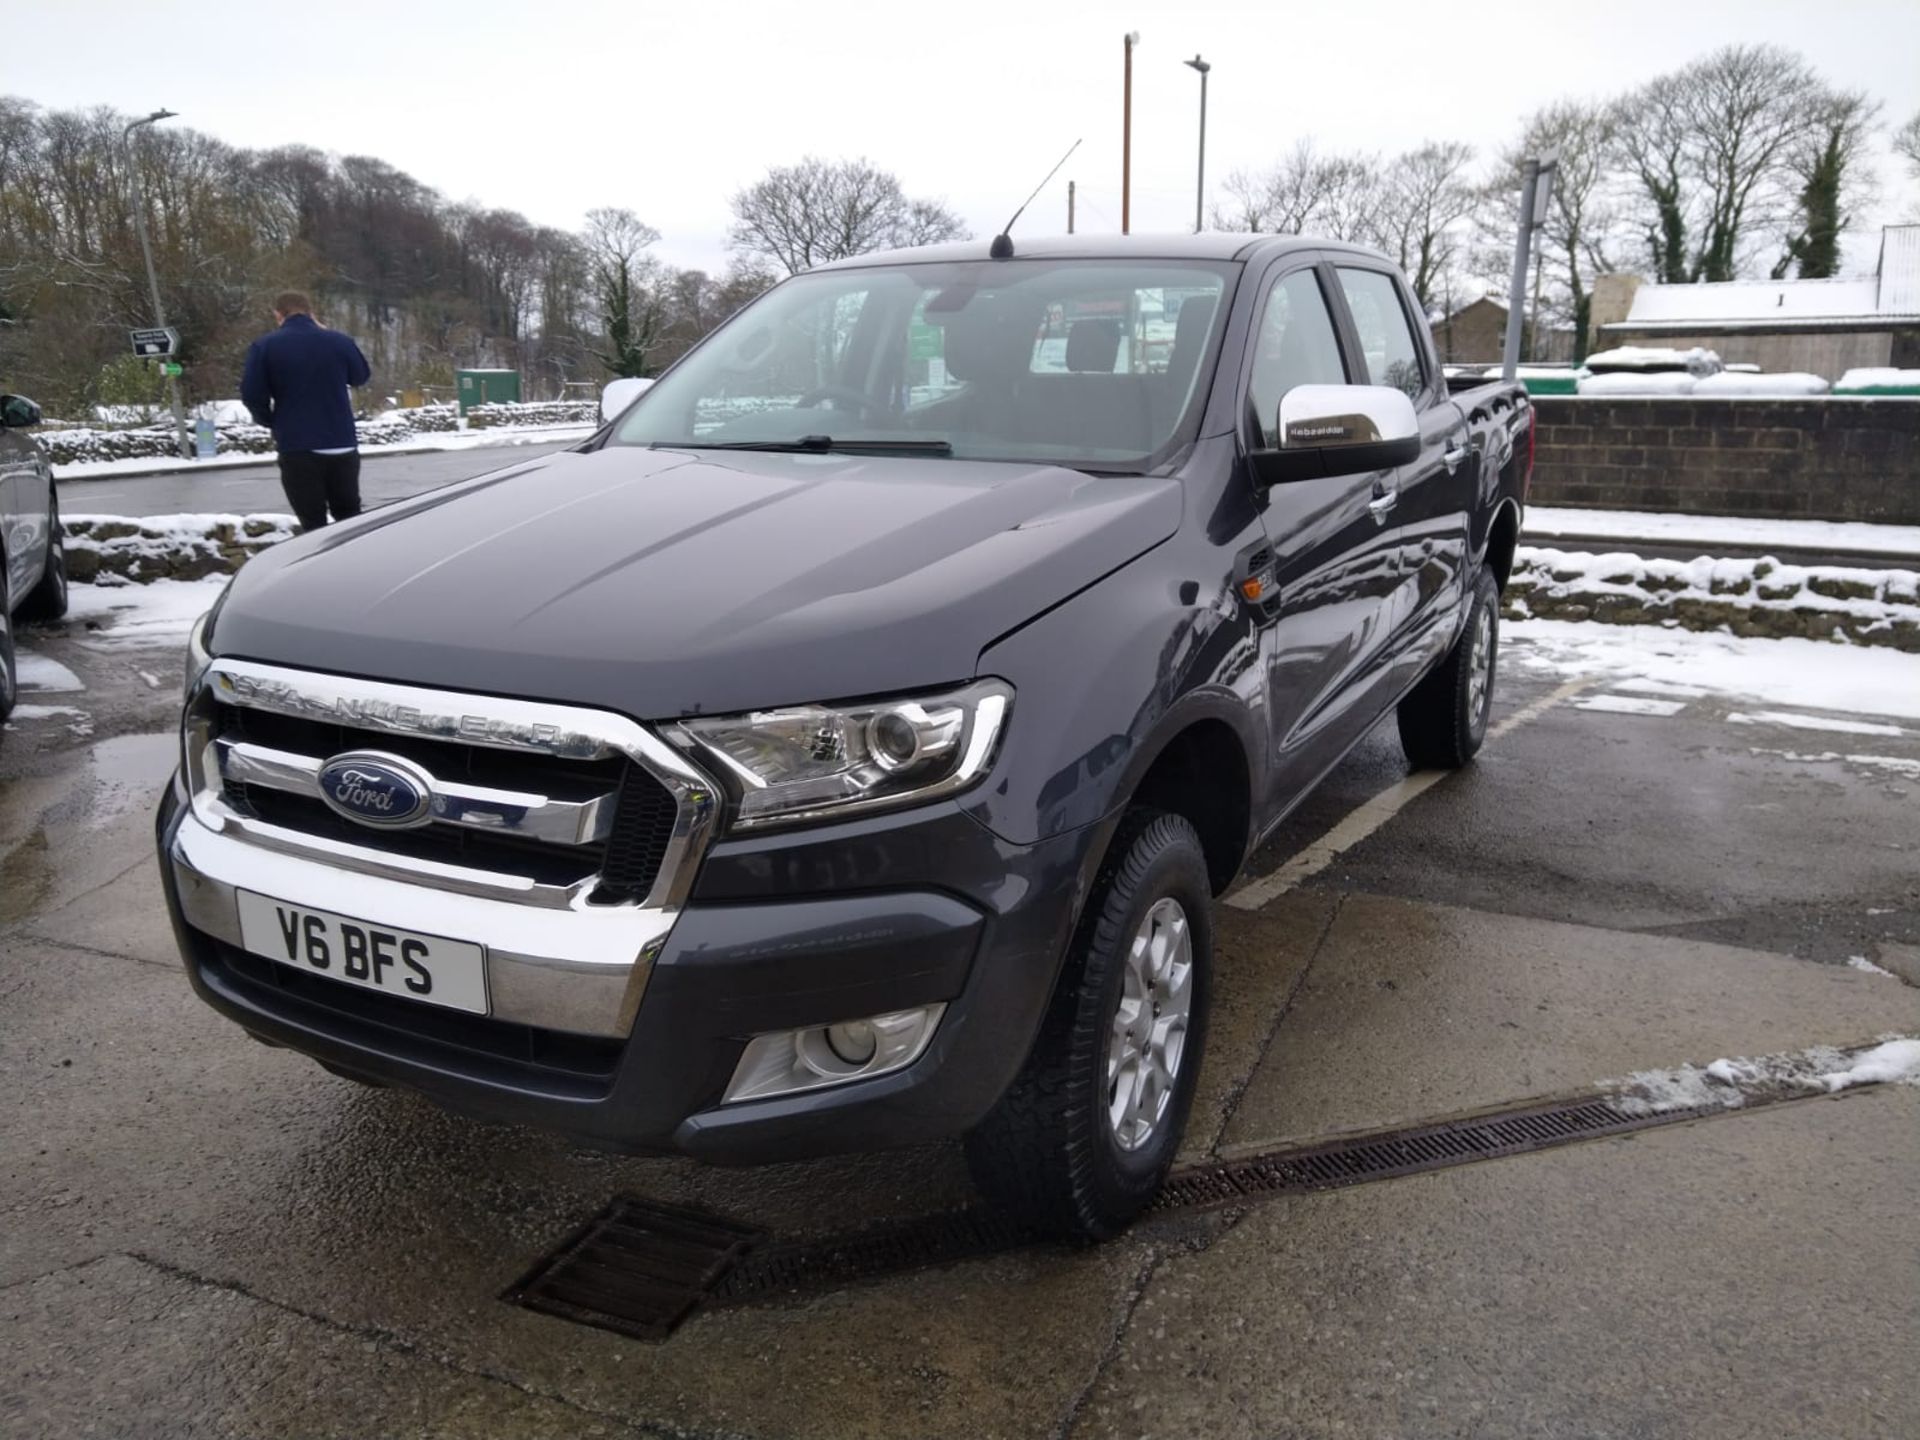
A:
x: 1453, y: 457
x: 1380, y: 505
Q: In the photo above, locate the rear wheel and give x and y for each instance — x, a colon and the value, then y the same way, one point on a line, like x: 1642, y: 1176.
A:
x: 48, y: 599
x: 1443, y: 721
x: 1082, y: 1140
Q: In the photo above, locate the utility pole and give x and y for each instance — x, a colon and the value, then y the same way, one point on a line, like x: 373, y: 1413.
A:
x: 153, y: 281
x: 1200, y: 184
x: 1070, y: 207
x: 1126, y: 139
x: 1536, y: 189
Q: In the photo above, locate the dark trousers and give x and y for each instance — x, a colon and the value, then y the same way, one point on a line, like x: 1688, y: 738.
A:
x: 316, y: 484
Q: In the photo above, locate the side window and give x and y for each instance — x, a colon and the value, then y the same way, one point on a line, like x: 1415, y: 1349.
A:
x: 1295, y: 345
x: 1386, y: 340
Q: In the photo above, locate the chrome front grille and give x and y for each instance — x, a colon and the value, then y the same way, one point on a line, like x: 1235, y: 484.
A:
x: 558, y: 806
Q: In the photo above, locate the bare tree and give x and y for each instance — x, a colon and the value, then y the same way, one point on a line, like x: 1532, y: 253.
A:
x: 1650, y: 127
x: 799, y: 216
x: 1581, y: 235
x: 1427, y: 199
x: 1709, y: 148
x: 1832, y: 181
x: 1906, y: 144
x: 623, y: 283
x: 1306, y: 192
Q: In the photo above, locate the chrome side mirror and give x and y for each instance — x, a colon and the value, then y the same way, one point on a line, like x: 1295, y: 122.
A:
x: 621, y: 393
x: 1339, y: 430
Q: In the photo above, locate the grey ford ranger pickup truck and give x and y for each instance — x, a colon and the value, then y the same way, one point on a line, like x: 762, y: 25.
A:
x: 844, y: 746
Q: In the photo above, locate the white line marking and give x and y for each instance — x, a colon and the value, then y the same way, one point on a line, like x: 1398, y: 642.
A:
x: 1630, y: 705
x: 1370, y: 815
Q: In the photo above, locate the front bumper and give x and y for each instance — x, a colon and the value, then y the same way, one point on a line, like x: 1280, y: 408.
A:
x: 781, y: 931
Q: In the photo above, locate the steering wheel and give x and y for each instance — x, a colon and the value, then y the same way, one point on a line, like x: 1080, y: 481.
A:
x: 846, y: 393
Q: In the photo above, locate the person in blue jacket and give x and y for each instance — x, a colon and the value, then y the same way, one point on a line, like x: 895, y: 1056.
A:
x: 296, y: 384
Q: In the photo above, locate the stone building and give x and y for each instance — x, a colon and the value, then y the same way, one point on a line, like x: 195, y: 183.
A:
x: 1823, y: 327
x: 1476, y: 334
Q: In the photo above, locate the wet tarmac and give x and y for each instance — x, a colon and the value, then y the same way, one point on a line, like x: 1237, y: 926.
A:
x: 200, y: 1235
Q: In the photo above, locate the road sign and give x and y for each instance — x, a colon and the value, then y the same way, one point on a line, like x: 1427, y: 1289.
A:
x: 155, y: 344
x: 169, y: 367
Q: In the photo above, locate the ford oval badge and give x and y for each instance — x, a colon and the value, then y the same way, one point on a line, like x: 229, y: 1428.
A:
x: 377, y: 789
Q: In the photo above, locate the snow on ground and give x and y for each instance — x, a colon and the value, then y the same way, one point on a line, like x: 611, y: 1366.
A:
x: 1796, y: 721
x: 1860, y: 962
x: 452, y: 440
x: 159, y: 613
x: 1728, y: 1084
x: 1849, y: 679
x: 1894, y: 1061
x: 1816, y: 536
x: 46, y: 712
x: 1879, y: 377
x: 43, y: 673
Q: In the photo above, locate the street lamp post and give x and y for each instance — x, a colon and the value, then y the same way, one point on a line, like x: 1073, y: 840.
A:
x: 153, y: 281
x: 1200, y: 187
x: 1126, y: 140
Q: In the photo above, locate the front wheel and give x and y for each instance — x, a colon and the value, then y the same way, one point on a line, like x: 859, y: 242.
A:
x: 1082, y: 1140
x: 9, y: 681
x: 1443, y: 720
x: 48, y: 599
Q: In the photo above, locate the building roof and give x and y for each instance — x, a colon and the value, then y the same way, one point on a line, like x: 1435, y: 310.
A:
x: 1893, y: 294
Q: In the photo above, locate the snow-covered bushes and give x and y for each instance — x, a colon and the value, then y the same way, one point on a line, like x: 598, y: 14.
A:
x: 535, y: 412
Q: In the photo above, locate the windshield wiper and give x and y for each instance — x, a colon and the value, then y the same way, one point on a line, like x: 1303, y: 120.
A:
x: 819, y: 444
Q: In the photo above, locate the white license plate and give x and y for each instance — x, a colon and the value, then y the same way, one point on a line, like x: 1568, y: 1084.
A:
x: 428, y: 968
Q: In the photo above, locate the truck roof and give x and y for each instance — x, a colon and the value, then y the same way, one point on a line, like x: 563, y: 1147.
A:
x: 1208, y: 246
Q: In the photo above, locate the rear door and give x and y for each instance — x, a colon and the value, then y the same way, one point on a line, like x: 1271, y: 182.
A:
x: 1333, y: 555
x: 1433, y: 496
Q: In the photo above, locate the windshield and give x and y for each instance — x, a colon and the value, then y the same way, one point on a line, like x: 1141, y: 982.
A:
x: 1088, y: 363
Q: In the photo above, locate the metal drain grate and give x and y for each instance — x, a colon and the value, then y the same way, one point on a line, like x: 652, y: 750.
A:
x: 640, y: 1268
x: 636, y: 1267
x: 1363, y: 1158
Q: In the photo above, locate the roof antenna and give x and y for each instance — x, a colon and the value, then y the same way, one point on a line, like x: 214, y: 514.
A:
x: 1002, y: 247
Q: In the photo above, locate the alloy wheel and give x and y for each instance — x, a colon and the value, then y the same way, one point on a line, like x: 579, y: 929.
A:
x: 1148, y: 1035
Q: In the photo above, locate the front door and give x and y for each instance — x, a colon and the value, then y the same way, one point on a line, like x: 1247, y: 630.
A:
x: 1433, y: 496
x: 1333, y: 557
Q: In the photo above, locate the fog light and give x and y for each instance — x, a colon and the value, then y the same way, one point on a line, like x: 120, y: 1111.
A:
x: 788, y: 1061
x: 855, y: 1043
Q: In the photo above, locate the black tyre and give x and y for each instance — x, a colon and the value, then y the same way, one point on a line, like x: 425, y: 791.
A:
x: 9, y: 679
x: 1084, y: 1137
x: 1444, y: 719
x: 48, y: 599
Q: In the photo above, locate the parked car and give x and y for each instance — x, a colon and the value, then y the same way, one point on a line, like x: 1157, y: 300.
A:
x: 843, y: 748
x: 33, y: 556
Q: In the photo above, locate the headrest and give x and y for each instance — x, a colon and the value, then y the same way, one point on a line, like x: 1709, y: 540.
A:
x: 1093, y: 345
x: 1196, y: 313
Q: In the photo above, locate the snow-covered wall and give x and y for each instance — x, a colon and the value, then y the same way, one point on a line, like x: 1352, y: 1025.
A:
x: 1747, y: 597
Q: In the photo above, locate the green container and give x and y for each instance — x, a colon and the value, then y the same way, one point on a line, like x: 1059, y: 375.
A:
x: 486, y: 387
x: 1909, y: 392
x: 1568, y: 384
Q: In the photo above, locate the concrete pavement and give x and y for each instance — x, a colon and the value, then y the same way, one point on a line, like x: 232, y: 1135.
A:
x: 199, y: 1235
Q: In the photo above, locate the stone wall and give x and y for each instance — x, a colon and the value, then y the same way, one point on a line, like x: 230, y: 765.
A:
x: 1824, y: 459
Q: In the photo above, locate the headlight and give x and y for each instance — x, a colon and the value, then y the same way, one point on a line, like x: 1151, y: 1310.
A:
x: 198, y: 656
x: 200, y: 641
x: 813, y: 762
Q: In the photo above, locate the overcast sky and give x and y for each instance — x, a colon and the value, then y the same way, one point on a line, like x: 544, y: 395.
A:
x: 667, y: 109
